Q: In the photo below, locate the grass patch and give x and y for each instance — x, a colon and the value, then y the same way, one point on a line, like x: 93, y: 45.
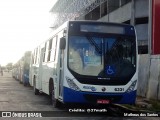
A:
x: 155, y: 105
x: 132, y: 107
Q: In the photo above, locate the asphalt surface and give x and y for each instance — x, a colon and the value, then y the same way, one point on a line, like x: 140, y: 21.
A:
x: 14, y: 97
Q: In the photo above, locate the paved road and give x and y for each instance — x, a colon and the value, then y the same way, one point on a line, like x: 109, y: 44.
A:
x: 16, y: 97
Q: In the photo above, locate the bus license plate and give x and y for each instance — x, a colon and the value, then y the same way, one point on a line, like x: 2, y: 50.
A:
x: 103, y: 101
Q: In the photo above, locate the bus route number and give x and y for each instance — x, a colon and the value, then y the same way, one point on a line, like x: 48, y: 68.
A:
x: 119, y: 89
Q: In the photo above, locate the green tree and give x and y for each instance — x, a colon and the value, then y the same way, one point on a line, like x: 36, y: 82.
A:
x: 9, y: 66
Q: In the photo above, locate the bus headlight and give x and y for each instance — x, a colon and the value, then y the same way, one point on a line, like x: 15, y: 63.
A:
x: 132, y: 86
x: 72, y: 85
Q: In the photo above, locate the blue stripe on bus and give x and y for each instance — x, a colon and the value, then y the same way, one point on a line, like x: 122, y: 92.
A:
x: 71, y: 96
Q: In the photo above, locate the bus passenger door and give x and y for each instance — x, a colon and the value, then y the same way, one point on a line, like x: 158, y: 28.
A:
x: 61, y: 72
x: 40, y: 68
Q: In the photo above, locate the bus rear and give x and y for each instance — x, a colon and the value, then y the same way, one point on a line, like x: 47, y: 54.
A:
x: 100, y: 63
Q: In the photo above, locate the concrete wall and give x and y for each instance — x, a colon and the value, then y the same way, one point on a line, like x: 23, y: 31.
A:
x: 149, y: 76
x: 142, y: 28
x: 154, y: 79
x: 119, y: 15
x: 143, y: 75
x: 141, y: 8
x: 123, y: 14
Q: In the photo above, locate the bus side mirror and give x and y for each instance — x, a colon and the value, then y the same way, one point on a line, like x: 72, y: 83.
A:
x: 62, y: 43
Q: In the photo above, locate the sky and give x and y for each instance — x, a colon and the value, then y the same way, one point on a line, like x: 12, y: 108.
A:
x: 23, y: 25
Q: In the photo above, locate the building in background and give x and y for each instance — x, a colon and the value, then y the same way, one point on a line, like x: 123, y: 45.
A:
x: 135, y: 12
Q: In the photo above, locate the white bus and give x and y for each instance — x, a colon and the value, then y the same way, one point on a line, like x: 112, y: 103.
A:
x: 20, y: 69
x: 87, y: 62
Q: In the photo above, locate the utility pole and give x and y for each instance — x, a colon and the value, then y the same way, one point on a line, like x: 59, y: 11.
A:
x: 132, y: 22
x: 150, y: 28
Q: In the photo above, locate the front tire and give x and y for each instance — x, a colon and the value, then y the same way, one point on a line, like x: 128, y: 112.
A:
x: 54, y: 101
x: 36, y: 91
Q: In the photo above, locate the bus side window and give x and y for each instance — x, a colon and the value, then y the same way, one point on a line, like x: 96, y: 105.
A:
x: 49, y: 50
x: 53, y: 49
x: 34, y: 56
x: 37, y: 56
x: 36, y: 52
x: 44, y: 54
x: 39, y: 51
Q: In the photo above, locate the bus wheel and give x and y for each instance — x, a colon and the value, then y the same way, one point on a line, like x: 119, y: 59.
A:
x: 55, y: 102
x: 36, y: 91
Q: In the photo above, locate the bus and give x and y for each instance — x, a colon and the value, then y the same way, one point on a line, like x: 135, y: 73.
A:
x: 20, y: 70
x: 17, y: 70
x: 26, y: 67
x: 87, y: 62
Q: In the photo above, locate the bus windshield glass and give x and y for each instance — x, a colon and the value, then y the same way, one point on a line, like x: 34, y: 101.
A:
x: 102, y: 56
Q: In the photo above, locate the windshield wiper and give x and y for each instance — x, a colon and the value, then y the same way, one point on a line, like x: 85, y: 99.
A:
x: 97, y: 48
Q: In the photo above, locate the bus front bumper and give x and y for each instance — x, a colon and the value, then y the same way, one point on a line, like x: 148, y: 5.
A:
x: 72, y: 96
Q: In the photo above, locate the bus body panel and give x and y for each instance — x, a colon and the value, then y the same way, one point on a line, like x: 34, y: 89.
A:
x: 71, y: 96
x: 95, y: 91
x: 44, y: 71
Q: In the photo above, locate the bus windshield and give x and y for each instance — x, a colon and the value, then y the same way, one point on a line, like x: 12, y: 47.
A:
x: 102, y: 56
